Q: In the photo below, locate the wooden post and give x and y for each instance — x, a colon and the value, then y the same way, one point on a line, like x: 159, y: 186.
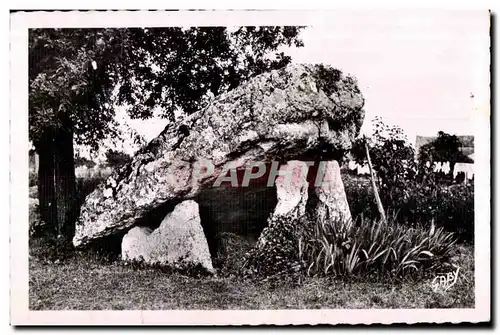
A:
x: 374, y: 185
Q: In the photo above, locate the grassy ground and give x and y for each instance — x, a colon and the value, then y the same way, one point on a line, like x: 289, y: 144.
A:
x: 85, y: 283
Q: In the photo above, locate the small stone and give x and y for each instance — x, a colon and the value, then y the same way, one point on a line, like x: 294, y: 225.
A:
x: 178, y: 242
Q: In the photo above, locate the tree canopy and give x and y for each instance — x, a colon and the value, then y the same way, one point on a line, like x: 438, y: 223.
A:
x: 115, y: 158
x: 445, y: 148
x: 392, y: 156
x: 78, y: 76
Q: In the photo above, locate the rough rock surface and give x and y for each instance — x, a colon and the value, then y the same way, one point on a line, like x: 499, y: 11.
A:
x: 135, y: 243
x: 286, y: 114
x: 291, y: 190
x: 179, y: 242
x: 332, y: 205
x: 276, y: 249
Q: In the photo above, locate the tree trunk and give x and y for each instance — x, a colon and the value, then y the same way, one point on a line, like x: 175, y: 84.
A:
x: 46, y: 194
x: 374, y: 185
x: 65, y: 184
x: 57, y: 183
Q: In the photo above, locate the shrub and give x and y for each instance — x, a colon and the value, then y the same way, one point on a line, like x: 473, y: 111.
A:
x: 392, y: 157
x: 412, y: 190
x: 231, y: 252
x: 373, y: 249
x: 360, y: 196
x: 116, y: 159
x: 450, y: 206
x: 456, y: 210
x: 274, y: 256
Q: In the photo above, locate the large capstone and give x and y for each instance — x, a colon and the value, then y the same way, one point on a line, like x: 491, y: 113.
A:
x: 298, y: 112
x: 179, y: 242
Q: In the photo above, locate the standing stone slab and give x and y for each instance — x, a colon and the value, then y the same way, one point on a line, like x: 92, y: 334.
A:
x: 276, y: 249
x: 332, y: 205
x: 291, y: 190
x: 135, y: 243
x: 179, y: 241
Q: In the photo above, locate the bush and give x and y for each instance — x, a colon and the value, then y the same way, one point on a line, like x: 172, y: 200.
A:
x: 450, y: 206
x: 274, y: 256
x: 231, y: 252
x: 116, y: 159
x: 409, y: 188
x: 373, y: 249
x: 360, y: 197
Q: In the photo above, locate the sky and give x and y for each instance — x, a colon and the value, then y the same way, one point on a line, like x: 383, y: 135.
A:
x: 424, y: 71
x: 417, y: 70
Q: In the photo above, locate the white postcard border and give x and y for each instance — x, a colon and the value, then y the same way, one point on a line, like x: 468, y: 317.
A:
x: 21, y: 315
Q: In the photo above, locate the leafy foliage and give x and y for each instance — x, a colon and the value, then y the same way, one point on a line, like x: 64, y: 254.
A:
x: 393, y: 159
x: 445, y: 148
x: 450, y: 206
x: 116, y: 158
x: 77, y: 76
x: 373, y: 249
x: 275, y: 257
x: 360, y: 197
x: 410, y: 188
x: 230, y: 254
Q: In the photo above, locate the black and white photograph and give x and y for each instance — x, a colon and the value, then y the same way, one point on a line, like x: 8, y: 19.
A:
x: 250, y: 167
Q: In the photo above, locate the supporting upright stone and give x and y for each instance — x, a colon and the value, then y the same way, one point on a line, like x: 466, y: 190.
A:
x: 332, y: 206
x: 179, y: 242
x: 291, y: 188
x: 276, y: 249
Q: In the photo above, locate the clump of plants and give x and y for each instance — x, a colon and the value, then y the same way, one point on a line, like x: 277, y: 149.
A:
x: 409, y: 186
x: 373, y: 249
x: 275, y: 254
x: 231, y: 252
x: 449, y: 206
x: 360, y: 196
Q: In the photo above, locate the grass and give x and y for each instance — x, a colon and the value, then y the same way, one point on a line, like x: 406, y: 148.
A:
x: 81, y: 282
x: 91, y: 281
